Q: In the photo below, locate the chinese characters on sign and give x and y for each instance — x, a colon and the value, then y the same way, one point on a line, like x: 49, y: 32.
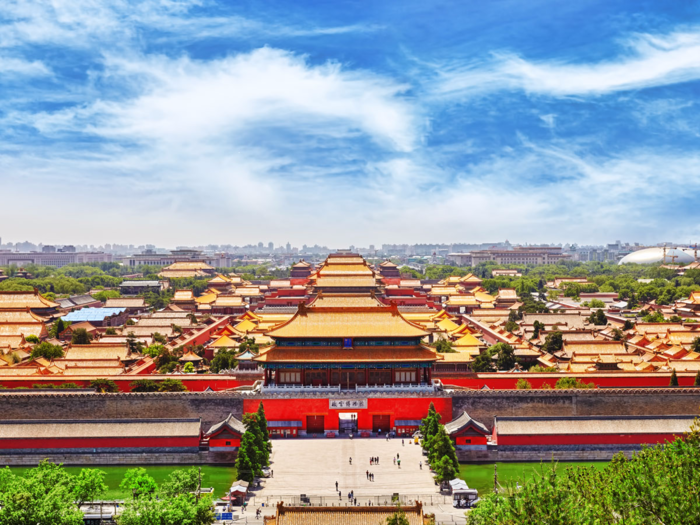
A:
x: 347, y: 403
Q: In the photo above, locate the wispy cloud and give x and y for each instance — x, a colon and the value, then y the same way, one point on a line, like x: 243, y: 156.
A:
x: 11, y: 66
x: 647, y: 61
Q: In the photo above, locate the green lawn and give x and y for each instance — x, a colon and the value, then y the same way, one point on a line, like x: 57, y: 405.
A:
x: 480, y: 475
x: 219, y: 477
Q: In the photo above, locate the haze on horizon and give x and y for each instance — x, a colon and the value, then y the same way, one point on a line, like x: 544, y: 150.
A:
x: 190, y: 122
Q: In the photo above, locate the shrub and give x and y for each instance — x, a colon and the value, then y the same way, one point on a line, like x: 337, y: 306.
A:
x: 171, y: 385
x: 572, y: 382
x: 47, y: 351
x: 144, y: 385
x: 104, y: 385
x: 523, y: 384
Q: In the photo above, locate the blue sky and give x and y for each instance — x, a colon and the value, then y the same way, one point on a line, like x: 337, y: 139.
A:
x: 348, y: 122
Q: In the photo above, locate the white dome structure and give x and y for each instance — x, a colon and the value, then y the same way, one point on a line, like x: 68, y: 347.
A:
x: 656, y: 255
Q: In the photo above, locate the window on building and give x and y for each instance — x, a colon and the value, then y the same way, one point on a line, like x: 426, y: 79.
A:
x: 290, y: 377
x: 406, y: 377
x: 228, y: 443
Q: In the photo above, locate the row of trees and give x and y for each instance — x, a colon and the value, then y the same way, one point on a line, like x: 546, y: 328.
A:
x: 442, y: 455
x: 48, y: 494
x: 657, y: 485
x: 255, y: 449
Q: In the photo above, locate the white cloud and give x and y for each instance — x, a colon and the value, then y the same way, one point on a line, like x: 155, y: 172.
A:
x: 184, y: 101
x: 17, y: 66
x: 650, y: 60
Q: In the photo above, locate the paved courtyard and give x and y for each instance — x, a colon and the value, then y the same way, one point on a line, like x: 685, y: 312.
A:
x: 312, y: 466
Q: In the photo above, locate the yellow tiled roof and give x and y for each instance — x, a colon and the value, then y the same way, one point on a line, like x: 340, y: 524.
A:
x: 245, y: 326
x: 183, y: 295
x: 228, y: 300
x: 97, y: 351
x: 206, y: 298
x: 344, y: 300
x: 462, y: 300
x: 467, y: 340
x: 447, y: 325
x: 347, y: 322
x: 24, y: 300
x: 350, y: 281
x: 189, y: 266
x: 224, y: 342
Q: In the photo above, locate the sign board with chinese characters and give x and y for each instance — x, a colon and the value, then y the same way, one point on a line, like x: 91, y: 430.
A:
x: 347, y: 403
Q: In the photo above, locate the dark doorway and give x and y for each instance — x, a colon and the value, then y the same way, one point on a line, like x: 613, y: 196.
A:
x: 315, y: 424
x: 381, y: 423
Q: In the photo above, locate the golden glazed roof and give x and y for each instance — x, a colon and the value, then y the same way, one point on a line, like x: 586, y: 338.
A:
x: 343, y: 300
x: 347, y: 322
x: 24, y: 300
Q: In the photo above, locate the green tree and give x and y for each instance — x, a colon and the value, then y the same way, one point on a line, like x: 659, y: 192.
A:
x: 572, y: 382
x: 553, y: 342
x: 80, y: 337
x: 262, y: 423
x: 144, y: 385
x: 159, y: 338
x: 223, y: 360
x: 154, y: 350
x: 650, y: 488
x: 261, y: 444
x: 103, y: 385
x: 89, y: 485
x: 31, y: 338
x: 628, y: 325
x: 43, y: 495
x: 171, y: 385
x: 398, y: 517
x: 106, y: 294
x: 47, y: 351
x: 443, y: 346
x: 188, y: 368
x: 247, y: 460
x: 598, y: 318
x: 506, y: 359
x: 181, y: 481
x: 537, y: 328
x: 511, y: 326
x: 674, y: 378
x: 695, y: 345
x: 135, y: 346
x: 523, y: 384
x: 484, y: 362
x: 444, y: 469
x: 138, y: 483
x: 168, y: 368
x: 111, y: 331
x: 697, y: 379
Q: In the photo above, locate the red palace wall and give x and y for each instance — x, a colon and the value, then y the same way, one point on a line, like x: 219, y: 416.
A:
x: 222, y: 443
x: 199, y: 383
x: 612, y: 380
x: 194, y: 384
x: 398, y: 408
x: 88, y: 442
x: 585, y: 439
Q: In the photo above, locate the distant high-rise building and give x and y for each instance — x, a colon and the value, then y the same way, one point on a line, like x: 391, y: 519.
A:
x: 271, y: 246
x: 289, y: 247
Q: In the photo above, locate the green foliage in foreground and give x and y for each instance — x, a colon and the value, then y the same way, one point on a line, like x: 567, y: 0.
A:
x: 47, y: 495
x: 660, y: 484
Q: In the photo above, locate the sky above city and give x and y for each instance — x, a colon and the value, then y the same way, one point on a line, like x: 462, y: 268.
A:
x: 349, y: 122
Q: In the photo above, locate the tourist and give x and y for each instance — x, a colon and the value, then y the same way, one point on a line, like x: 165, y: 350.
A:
x: 394, y: 460
x: 397, y: 455
x: 402, y: 443
x: 399, y: 462
x: 420, y: 464
x: 351, y: 461
x: 367, y: 472
x: 336, y: 485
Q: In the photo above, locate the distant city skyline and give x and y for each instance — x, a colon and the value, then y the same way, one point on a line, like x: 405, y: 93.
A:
x: 188, y: 122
